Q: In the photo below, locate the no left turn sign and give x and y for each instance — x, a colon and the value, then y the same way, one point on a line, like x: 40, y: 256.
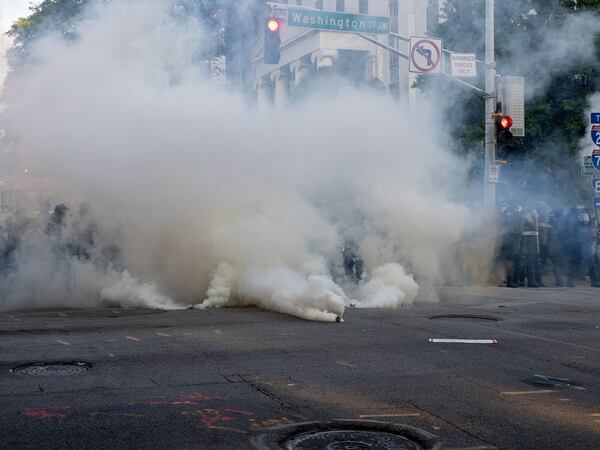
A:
x: 425, y: 55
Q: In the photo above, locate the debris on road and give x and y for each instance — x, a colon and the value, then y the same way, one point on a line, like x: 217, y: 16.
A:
x: 544, y: 380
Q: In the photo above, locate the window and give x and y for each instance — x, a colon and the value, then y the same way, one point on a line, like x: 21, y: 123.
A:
x: 340, y: 5
x: 363, y: 7
x: 319, y: 4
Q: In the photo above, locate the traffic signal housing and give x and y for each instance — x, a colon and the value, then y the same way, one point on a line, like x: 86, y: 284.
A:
x: 504, y: 136
x: 272, y: 40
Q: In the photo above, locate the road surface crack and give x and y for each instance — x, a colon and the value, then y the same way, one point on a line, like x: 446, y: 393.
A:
x: 474, y: 436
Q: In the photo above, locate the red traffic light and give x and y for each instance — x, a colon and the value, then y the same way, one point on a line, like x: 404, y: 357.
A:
x: 273, y: 25
x: 506, y: 122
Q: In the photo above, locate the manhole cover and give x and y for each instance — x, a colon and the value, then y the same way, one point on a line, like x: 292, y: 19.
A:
x: 54, y: 368
x: 465, y: 316
x: 351, y: 440
x: 346, y: 435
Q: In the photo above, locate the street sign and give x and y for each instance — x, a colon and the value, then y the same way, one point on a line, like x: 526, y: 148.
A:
x: 586, y: 171
x: 587, y: 168
x: 335, y: 21
x: 596, y: 134
x: 596, y: 184
x: 463, y: 65
x: 494, y: 174
x: 595, y: 117
x: 425, y: 55
x: 595, y: 159
x: 597, y: 203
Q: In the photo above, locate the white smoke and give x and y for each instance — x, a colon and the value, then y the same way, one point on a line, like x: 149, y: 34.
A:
x: 220, y: 204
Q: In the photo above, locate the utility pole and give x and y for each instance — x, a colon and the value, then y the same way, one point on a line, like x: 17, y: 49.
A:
x: 489, y: 189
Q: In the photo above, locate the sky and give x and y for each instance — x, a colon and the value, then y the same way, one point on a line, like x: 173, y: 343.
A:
x: 10, y: 10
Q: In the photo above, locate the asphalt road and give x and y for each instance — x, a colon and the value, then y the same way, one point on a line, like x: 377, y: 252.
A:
x: 217, y: 378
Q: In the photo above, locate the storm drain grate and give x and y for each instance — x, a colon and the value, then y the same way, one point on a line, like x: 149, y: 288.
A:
x: 465, y: 316
x: 346, y: 435
x: 42, y: 369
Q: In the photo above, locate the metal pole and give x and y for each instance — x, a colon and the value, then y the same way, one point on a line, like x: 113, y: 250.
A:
x: 489, y: 189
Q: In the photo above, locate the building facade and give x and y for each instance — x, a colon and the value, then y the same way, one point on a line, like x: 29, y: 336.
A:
x: 305, y: 51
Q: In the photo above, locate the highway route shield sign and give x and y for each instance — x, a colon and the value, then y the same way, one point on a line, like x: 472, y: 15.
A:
x: 596, y: 158
x: 425, y: 55
x: 596, y: 134
x: 596, y: 184
x: 595, y: 117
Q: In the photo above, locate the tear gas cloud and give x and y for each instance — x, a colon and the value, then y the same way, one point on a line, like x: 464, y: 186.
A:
x: 211, y: 201
x: 561, y: 46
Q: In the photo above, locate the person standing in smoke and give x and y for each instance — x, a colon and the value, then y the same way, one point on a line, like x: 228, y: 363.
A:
x: 556, y: 244
x: 573, y: 245
x: 15, y: 226
x: 530, y: 247
x: 353, y: 263
x: 57, y: 220
x: 545, y: 228
x: 511, y: 241
x: 587, y: 240
x: 596, y: 255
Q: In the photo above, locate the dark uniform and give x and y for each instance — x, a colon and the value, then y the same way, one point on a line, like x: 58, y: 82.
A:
x: 530, y: 247
x: 511, y: 222
x: 556, y: 245
x: 572, y: 246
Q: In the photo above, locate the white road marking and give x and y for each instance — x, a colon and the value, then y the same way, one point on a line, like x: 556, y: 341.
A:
x: 364, y: 416
x: 131, y: 338
x: 543, y: 391
x: 464, y: 341
x: 65, y: 343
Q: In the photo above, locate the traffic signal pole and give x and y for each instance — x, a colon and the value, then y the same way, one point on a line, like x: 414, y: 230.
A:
x: 489, y: 188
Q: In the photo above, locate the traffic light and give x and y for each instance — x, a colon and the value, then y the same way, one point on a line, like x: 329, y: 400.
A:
x: 272, y: 40
x: 504, y: 135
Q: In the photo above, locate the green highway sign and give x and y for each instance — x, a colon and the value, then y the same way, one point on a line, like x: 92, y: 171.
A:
x: 587, y: 161
x: 586, y: 171
x: 335, y: 21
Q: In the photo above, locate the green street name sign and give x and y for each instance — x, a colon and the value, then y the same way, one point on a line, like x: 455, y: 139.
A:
x: 334, y: 21
x: 587, y: 161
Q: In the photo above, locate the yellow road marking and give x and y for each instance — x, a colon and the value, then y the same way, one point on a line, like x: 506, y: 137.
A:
x: 595, y: 414
x: 65, y: 343
x: 164, y: 334
x: 131, y: 338
x: 527, y: 392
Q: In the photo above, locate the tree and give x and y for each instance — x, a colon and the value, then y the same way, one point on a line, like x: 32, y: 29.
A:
x: 63, y: 16
x: 555, y: 119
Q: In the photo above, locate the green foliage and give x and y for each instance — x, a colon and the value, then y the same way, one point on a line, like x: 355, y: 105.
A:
x: 555, y: 114
x: 63, y: 16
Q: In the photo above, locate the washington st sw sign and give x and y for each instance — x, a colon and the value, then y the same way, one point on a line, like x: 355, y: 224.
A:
x: 335, y: 21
